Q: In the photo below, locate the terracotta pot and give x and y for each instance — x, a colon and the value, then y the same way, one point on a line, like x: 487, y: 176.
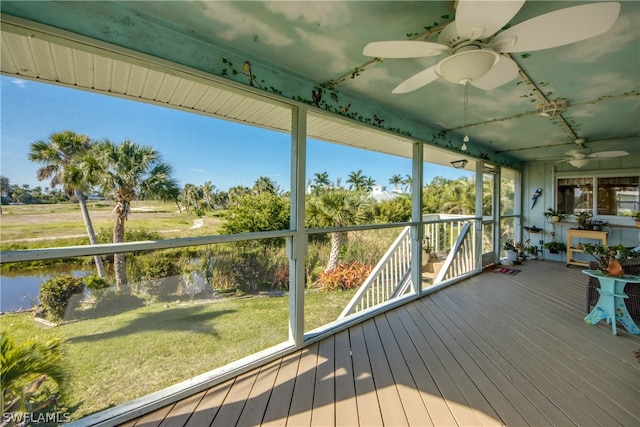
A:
x: 614, y: 268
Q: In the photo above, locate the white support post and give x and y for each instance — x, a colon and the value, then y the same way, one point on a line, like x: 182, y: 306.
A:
x: 417, y: 176
x: 296, y: 245
x: 478, y: 223
x: 497, y: 218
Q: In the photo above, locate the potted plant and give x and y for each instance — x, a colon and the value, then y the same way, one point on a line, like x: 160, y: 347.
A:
x: 521, y: 248
x: 532, y: 251
x: 554, y: 215
x: 555, y: 247
x: 429, y: 253
x: 606, y: 255
x: 636, y: 218
x: 584, y: 220
x: 510, y: 250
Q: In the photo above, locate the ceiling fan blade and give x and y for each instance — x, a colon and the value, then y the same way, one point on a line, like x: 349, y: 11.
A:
x: 503, y: 72
x: 558, y: 28
x: 403, y: 49
x: 417, y: 81
x: 481, y: 19
x: 606, y: 154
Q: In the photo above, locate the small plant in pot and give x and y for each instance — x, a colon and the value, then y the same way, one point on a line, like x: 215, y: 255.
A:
x: 554, y: 215
x: 584, y: 220
x: 555, y: 247
x: 533, y: 251
x: 511, y: 251
x: 608, y: 256
x: 636, y: 218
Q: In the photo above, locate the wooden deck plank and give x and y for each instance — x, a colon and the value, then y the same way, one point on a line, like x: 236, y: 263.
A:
x: 492, y: 350
x: 436, y: 405
x: 388, y: 397
x: 235, y: 400
x: 410, y: 397
x: 345, y: 391
x: 324, y: 392
x: 366, y: 398
x: 303, y: 391
x: 560, y: 362
x: 258, y: 399
x: 471, y: 394
x: 154, y: 418
x: 209, y: 405
x: 280, y: 401
x: 515, y: 365
x: 507, y: 399
x: 417, y: 326
x: 474, y: 367
x: 572, y: 341
x: 182, y: 411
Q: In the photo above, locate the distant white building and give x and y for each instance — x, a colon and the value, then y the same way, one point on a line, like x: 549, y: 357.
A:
x: 380, y: 193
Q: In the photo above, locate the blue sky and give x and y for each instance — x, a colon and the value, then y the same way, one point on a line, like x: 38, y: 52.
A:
x: 199, y: 148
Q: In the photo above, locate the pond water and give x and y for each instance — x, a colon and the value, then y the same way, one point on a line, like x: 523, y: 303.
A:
x: 20, y: 291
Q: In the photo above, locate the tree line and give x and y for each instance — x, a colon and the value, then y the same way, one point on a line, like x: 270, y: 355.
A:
x: 126, y: 171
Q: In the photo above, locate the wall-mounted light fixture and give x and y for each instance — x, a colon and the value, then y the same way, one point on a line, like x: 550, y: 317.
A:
x: 459, y: 164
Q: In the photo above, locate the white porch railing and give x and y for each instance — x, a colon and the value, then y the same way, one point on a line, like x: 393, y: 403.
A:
x: 391, y: 277
x: 461, y: 258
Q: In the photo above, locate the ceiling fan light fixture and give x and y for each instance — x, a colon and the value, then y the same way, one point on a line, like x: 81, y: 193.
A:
x: 468, y: 66
x: 579, y: 163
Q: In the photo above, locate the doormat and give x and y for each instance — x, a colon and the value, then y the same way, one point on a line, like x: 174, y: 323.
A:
x: 503, y: 270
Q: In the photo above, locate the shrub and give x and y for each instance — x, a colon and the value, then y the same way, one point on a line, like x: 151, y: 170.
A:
x: 140, y: 234
x: 55, y: 295
x: 151, y: 272
x: 24, y: 369
x: 96, y: 283
x: 344, y: 276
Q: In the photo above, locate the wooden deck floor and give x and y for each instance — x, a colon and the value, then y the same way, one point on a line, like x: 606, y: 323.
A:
x: 493, y: 350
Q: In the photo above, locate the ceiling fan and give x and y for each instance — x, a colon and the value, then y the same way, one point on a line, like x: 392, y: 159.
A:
x: 581, y: 157
x: 475, y: 51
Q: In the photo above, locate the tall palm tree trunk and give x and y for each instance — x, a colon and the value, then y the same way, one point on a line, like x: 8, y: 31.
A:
x: 90, y: 231
x: 336, y: 244
x: 119, y: 266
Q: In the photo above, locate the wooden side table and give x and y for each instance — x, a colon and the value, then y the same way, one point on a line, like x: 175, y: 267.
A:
x: 574, y: 233
x: 611, y: 304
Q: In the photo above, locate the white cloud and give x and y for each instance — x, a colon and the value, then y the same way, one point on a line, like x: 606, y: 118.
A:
x: 243, y: 25
x: 19, y: 82
x: 327, y: 47
x: 595, y: 48
x: 595, y: 85
x: 321, y: 12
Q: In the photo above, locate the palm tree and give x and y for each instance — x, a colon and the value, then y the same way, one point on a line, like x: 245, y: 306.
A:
x: 191, y: 197
x: 208, y: 190
x: 407, y: 181
x: 356, y: 180
x: 338, y: 208
x: 369, y: 183
x: 131, y: 171
x: 396, y: 180
x: 61, y: 154
x: 23, y: 369
x: 321, y: 182
x: 265, y: 184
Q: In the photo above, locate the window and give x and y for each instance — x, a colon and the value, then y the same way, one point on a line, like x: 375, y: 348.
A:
x: 618, y: 196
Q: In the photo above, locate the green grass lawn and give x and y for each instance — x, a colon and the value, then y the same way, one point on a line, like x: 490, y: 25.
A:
x: 124, y: 350
x: 37, y: 226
